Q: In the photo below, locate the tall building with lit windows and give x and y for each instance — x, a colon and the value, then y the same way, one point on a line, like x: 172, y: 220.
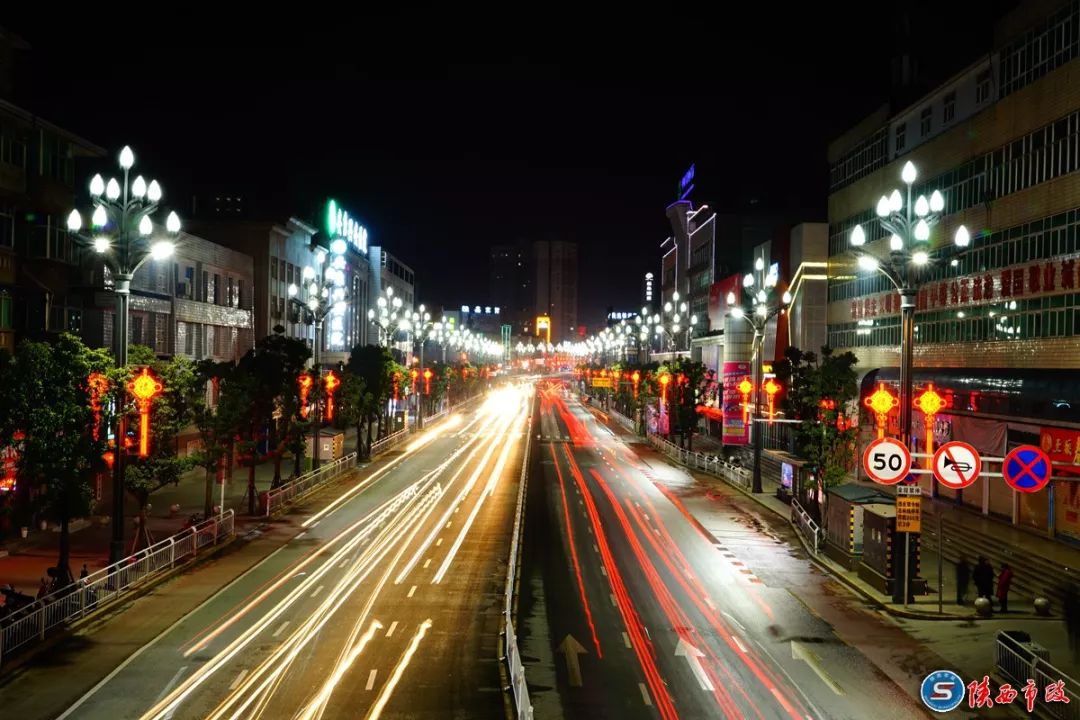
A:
x: 997, y: 322
x: 555, y: 273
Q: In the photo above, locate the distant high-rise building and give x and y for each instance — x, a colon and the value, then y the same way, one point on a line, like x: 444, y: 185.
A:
x: 511, y: 285
x: 556, y: 271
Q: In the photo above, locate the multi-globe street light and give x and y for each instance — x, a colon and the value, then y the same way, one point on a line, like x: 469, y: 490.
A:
x: 389, y: 315
x: 907, y: 224
x: 417, y: 325
x: 763, y: 306
x: 672, y: 323
x: 124, y: 235
x: 323, y: 294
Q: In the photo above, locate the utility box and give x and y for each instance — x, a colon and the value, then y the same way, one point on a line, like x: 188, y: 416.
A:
x: 882, y: 563
x: 331, y: 446
x: 844, y: 530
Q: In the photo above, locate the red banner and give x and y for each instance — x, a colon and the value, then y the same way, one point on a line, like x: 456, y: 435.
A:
x: 1062, y: 445
x: 735, y: 430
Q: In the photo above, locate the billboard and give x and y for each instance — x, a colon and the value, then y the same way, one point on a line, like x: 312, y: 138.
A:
x: 735, y: 430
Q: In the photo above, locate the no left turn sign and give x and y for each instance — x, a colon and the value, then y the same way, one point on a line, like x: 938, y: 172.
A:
x: 957, y: 465
x: 886, y: 461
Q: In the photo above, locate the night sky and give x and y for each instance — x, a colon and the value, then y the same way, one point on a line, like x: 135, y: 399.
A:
x: 447, y: 133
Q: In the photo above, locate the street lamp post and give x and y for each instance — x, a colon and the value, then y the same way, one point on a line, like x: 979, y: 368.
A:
x: 764, y: 306
x: 672, y: 323
x: 123, y: 234
x: 907, y: 225
x: 419, y: 324
x: 389, y: 316
x: 324, y: 286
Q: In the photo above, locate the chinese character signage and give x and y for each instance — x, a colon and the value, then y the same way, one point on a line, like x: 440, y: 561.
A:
x: 736, y: 430
x: 908, y: 513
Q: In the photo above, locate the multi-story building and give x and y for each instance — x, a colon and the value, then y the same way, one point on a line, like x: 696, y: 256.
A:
x: 388, y: 271
x: 555, y: 268
x: 997, y: 322
x: 511, y: 285
x: 280, y: 251
x: 197, y: 303
x: 39, y: 263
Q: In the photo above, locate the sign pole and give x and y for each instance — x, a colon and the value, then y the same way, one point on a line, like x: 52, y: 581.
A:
x: 907, y: 565
x: 940, y: 580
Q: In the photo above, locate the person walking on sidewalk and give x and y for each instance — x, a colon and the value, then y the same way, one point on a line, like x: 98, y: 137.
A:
x: 963, y: 575
x: 1004, y: 581
x: 984, y: 578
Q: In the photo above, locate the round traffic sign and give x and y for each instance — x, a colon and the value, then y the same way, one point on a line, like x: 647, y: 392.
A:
x: 886, y: 461
x: 1027, y: 469
x: 957, y: 465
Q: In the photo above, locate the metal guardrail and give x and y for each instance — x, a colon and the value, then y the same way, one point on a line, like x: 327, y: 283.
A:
x: 1019, y: 661
x: 810, y: 529
x: 389, y: 442
x: 711, y: 464
x: 513, y: 654
x: 279, y: 497
x: 622, y: 420
x: 104, y: 587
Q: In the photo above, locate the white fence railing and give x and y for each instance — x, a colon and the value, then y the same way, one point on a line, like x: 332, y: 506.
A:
x: 810, y: 529
x: 106, y: 586
x: 513, y: 654
x: 712, y: 464
x: 622, y: 420
x: 1020, y: 661
x: 277, y: 498
x: 389, y: 442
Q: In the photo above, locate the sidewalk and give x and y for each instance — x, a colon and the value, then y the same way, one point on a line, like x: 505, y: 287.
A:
x: 26, y: 560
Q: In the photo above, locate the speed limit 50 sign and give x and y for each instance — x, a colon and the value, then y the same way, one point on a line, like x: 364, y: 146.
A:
x: 886, y: 461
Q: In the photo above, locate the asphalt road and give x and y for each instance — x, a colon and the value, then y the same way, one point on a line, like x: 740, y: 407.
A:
x: 633, y: 610
x: 386, y: 603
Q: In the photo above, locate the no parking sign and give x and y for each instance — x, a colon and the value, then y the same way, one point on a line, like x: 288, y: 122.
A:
x: 1027, y: 469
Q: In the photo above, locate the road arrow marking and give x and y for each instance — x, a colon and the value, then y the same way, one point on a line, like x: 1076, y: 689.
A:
x: 693, y: 658
x: 799, y: 651
x: 571, y: 648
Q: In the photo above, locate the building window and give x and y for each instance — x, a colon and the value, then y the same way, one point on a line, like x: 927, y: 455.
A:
x: 901, y: 137
x: 949, y: 108
x: 925, y: 120
x: 273, y: 268
x: 982, y: 87
x: 289, y: 273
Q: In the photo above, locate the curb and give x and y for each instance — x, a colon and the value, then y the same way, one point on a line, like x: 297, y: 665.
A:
x: 11, y: 666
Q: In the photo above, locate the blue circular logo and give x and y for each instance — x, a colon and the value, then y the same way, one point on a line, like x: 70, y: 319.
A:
x: 942, y: 690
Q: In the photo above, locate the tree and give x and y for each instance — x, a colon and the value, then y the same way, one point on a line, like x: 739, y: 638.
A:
x: 171, y: 411
x: 277, y: 363
x: 817, y: 392
x: 690, y: 382
x: 375, y: 366
x: 46, y: 397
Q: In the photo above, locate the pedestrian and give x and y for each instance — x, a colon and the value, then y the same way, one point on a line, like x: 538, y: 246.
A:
x: 1003, y: 583
x: 1072, y: 619
x: 84, y: 573
x: 983, y: 575
x: 963, y: 575
x: 43, y: 589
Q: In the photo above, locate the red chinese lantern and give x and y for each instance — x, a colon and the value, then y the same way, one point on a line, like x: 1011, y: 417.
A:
x: 881, y: 402
x: 930, y: 403
x: 636, y: 377
x: 414, y: 373
x: 145, y: 387
x: 745, y: 387
x: 331, y: 383
x: 397, y: 381
x: 771, y: 388
x: 427, y: 381
x: 664, y: 380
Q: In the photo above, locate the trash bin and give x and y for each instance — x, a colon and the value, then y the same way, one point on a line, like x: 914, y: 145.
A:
x: 1015, y: 653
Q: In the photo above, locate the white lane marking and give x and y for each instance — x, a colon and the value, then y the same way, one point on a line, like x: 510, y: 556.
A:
x: 281, y: 629
x: 626, y: 640
x: 456, y: 509
x: 739, y: 642
x: 590, y: 530
x: 300, y: 535
x: 644, y: 694
x: 448, y: 523
x: 168, y: 688
x: 317, y: 591
x: 120, y: 668
x: 370, y: 680
x: 710, y: 603
x: 426, y: 563
x: 438, y: 542
x: 343, y: 563
x: 594, y: 547
x: 729, y: 617
x: 393, y: 627
x: 603, y: 570
x: 412, y: 590
x: 239, y: 679
x: 612, y: 596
